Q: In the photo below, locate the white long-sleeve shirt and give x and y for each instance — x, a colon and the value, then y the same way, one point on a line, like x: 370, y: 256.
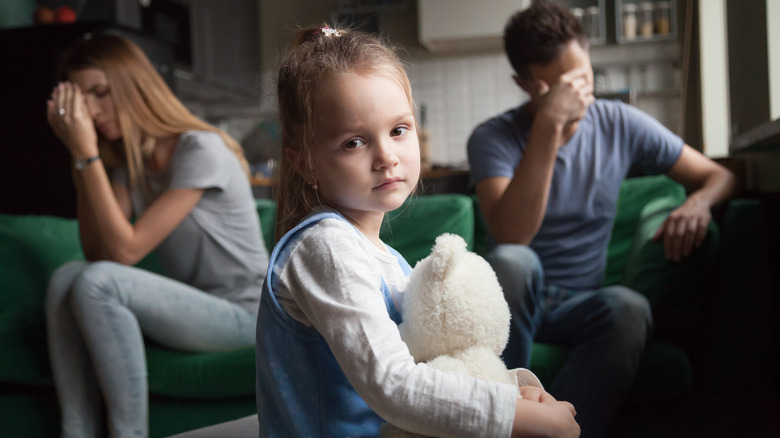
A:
x: 332, y: 282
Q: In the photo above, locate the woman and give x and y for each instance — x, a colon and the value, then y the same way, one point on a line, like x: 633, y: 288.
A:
x: 149, y: 177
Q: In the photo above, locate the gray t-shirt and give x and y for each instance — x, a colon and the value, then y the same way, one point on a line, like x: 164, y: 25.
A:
x: 218, y: 247
x: 612, y: 139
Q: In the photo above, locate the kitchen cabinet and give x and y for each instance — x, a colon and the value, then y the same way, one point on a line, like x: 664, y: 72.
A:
x: 461, y: 25
x: 592, y: 16
x: 216, y: 46
x: 226, y: 44
x: 625, y: 21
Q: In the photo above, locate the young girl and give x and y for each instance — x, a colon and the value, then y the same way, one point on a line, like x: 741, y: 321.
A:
x: 138, y: 153
x: 330, y: 360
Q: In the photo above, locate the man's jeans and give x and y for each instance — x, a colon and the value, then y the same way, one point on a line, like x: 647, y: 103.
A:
x: 96, y: 314
x: 606, y: 330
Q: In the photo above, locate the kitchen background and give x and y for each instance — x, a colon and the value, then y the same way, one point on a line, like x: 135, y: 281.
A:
x: 707, y: 69
x: 460, y: 75
x: 700, y: 67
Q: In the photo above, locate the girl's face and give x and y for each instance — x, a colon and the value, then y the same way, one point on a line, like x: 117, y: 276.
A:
x: 368, y: 157
x: 97, y: 96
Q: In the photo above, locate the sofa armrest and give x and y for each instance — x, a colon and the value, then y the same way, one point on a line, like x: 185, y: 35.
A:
x: 635, y: 194
x: 677, y: 291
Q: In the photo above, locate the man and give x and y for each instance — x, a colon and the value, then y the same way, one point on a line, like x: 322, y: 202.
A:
x: 547, y: 175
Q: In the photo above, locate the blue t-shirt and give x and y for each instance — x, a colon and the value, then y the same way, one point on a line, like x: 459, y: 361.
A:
x: 612, y: 139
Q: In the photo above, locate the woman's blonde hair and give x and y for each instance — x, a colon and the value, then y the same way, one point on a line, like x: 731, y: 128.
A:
x: 316, y: 54
x: 146, y: 108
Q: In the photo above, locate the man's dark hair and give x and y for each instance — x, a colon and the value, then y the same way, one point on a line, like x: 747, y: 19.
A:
x: 537, y: 35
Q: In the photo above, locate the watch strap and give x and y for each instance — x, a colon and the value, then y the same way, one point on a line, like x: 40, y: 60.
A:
x: 81, y: 163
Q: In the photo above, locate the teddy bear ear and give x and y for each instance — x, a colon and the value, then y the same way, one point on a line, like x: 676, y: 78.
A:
x: 445, y: 252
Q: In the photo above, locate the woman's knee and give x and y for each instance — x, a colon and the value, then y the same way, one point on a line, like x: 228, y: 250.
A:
x: 61, y: 282
x: 97, y: 282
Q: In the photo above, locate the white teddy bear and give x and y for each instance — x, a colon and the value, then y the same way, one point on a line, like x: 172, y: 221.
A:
x: 455, y: 318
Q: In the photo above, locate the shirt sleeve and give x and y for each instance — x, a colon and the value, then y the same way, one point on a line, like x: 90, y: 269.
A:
x: 200, y: 162
x: 655, y: 148
x: 338, y: 288
x: 491, y: 152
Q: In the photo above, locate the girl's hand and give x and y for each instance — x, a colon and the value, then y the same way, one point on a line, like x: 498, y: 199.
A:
x: 534, y: 393
x: 69, y: 118
x: 544, y: 419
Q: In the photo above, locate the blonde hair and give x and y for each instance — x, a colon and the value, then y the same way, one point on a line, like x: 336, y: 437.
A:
x: 146, y: 108
x: 316, y: 54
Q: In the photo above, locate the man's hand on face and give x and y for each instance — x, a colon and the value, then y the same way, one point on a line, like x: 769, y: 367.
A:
x: 565, y: 101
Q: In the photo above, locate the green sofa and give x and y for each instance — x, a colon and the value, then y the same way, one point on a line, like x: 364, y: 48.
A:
x: 190, y: 390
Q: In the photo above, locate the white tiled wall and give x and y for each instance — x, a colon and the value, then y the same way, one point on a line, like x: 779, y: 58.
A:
x: 459, y: 93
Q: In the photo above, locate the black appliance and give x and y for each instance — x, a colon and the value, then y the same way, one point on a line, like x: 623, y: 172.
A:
x: 34, y: 165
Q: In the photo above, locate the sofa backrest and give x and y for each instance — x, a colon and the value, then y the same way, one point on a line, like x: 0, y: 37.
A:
x: 411, y: 229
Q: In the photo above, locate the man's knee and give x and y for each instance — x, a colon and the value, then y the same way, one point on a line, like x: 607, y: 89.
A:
x: 519, y: 272
x: 516, y: 260
x: 629, y: 313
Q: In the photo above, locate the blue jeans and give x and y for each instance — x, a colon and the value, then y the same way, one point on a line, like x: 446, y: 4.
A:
x: 97, y: 316
x: 606, y: 329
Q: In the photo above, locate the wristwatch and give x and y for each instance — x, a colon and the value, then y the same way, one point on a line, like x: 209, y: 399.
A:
x: 81, y: 163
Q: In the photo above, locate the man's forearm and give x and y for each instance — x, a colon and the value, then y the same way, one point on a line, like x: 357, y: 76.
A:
x: 520, y: 211
x: 718, y: 187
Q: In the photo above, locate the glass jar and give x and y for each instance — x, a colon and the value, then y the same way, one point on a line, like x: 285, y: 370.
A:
x: 592, y: 23
x: 663, y: 24
x: 629, y: 21
x: 646, y: 19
